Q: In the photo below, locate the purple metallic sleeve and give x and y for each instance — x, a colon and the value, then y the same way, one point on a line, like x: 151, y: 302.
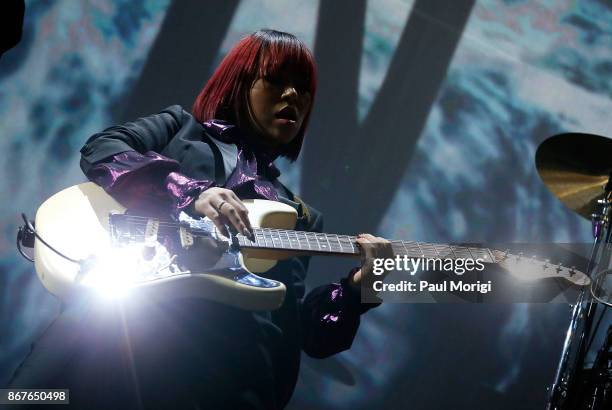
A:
x: 149, y: 182
x: 330, y: 318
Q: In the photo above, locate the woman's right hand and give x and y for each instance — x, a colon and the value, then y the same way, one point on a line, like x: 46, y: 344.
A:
x: 223, y: 207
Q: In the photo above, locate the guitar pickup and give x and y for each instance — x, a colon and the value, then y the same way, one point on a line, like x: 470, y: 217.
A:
x: 151, y: 231
x: 186, y: 237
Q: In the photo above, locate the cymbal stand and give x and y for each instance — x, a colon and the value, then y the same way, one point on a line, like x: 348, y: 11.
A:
x: 564, y: 392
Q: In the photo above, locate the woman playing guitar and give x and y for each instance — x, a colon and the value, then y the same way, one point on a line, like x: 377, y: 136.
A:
x: 196, y: 353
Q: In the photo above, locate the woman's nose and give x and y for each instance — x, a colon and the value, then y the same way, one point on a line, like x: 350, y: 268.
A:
x: 289, y: 92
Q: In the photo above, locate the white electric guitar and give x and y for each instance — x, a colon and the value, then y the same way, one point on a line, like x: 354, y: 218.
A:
x: 119, y: 252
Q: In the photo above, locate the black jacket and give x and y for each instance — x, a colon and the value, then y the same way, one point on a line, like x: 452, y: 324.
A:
x: 258, y: 354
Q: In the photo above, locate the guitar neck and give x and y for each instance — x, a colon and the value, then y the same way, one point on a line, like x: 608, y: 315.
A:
x: 345, y: 245
x: 328, y: 244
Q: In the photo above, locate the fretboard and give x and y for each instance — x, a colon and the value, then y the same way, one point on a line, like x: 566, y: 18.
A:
x: 324, y: 243
x: 328, y: 244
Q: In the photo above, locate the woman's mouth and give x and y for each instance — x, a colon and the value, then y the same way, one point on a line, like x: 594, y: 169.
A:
x: 287, y: 115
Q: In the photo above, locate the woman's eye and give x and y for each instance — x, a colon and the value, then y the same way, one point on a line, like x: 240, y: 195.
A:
x: 279, y: 82
x: 276, y: 81
x: 303, y: 88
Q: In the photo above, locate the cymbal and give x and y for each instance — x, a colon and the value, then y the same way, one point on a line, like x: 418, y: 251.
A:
x: 576, y: 168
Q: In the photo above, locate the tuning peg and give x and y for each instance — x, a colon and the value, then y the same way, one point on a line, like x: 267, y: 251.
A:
x: 520, y: 255
x: 546, y: 262
x: 559, y: 268
x: 572, y: 271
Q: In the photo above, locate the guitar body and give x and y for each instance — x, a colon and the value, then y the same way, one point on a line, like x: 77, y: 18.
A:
x: 76, y: 222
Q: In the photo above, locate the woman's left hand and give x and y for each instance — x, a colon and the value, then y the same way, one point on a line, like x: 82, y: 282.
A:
x: 372, y: 247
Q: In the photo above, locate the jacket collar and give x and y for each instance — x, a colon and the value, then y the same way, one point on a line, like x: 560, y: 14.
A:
x: 229, y: 133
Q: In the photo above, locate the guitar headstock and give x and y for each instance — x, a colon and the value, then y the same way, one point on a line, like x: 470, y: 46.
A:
x: 531, y: 268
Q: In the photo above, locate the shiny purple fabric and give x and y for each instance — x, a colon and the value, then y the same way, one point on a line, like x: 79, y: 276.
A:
x: 149, y: 182
x: 229, y: 133
x: 152, y: 182
x: 246, y: 182
x: 330, y: 318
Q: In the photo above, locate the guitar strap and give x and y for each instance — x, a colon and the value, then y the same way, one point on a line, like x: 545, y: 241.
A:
x: 305, y: 211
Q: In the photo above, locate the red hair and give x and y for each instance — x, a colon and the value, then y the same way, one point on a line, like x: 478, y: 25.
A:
x: 263, y: 53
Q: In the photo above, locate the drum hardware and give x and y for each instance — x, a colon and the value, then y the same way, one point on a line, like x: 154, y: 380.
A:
x: 577, y: 169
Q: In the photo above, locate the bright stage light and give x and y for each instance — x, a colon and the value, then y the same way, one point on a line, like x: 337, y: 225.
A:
x: 113, y: 272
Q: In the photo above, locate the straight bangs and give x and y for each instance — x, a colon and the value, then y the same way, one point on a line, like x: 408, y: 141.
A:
x: 288, y: 56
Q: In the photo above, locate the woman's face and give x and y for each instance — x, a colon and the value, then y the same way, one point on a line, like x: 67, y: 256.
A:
x: 277, y: 107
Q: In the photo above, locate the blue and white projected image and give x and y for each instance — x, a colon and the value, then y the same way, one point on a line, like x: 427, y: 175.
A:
x: 425, y: 127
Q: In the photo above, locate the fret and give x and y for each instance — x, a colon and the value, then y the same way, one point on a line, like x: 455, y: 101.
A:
x: 471, y: 255
x: 259, y: 238
x: 398, y: 248
x: 312, y: 240
x: 483, y: 254
x: 353, y: 245
x: 341, y: 243
x: 476, y: 253
x: 412, y: 249
x: 493, y: 259
x: 268, y: 239
x: 462, y: 252
x: 302, y: 240
x: 293, y: 244
x: 286, y: 241
x: 444, y: 251
x: 298, y: 242
x: 428, y: 250
x: 333, y: 247
x: 277, y: 242
x: 405, y: 249
x: 321, y: 237
x: 327, y: 239
x: 349, y: 241
x: 420, y: 250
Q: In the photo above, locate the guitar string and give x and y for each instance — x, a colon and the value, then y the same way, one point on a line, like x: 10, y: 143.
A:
x: 420, y: 249
x: 342, y: 240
